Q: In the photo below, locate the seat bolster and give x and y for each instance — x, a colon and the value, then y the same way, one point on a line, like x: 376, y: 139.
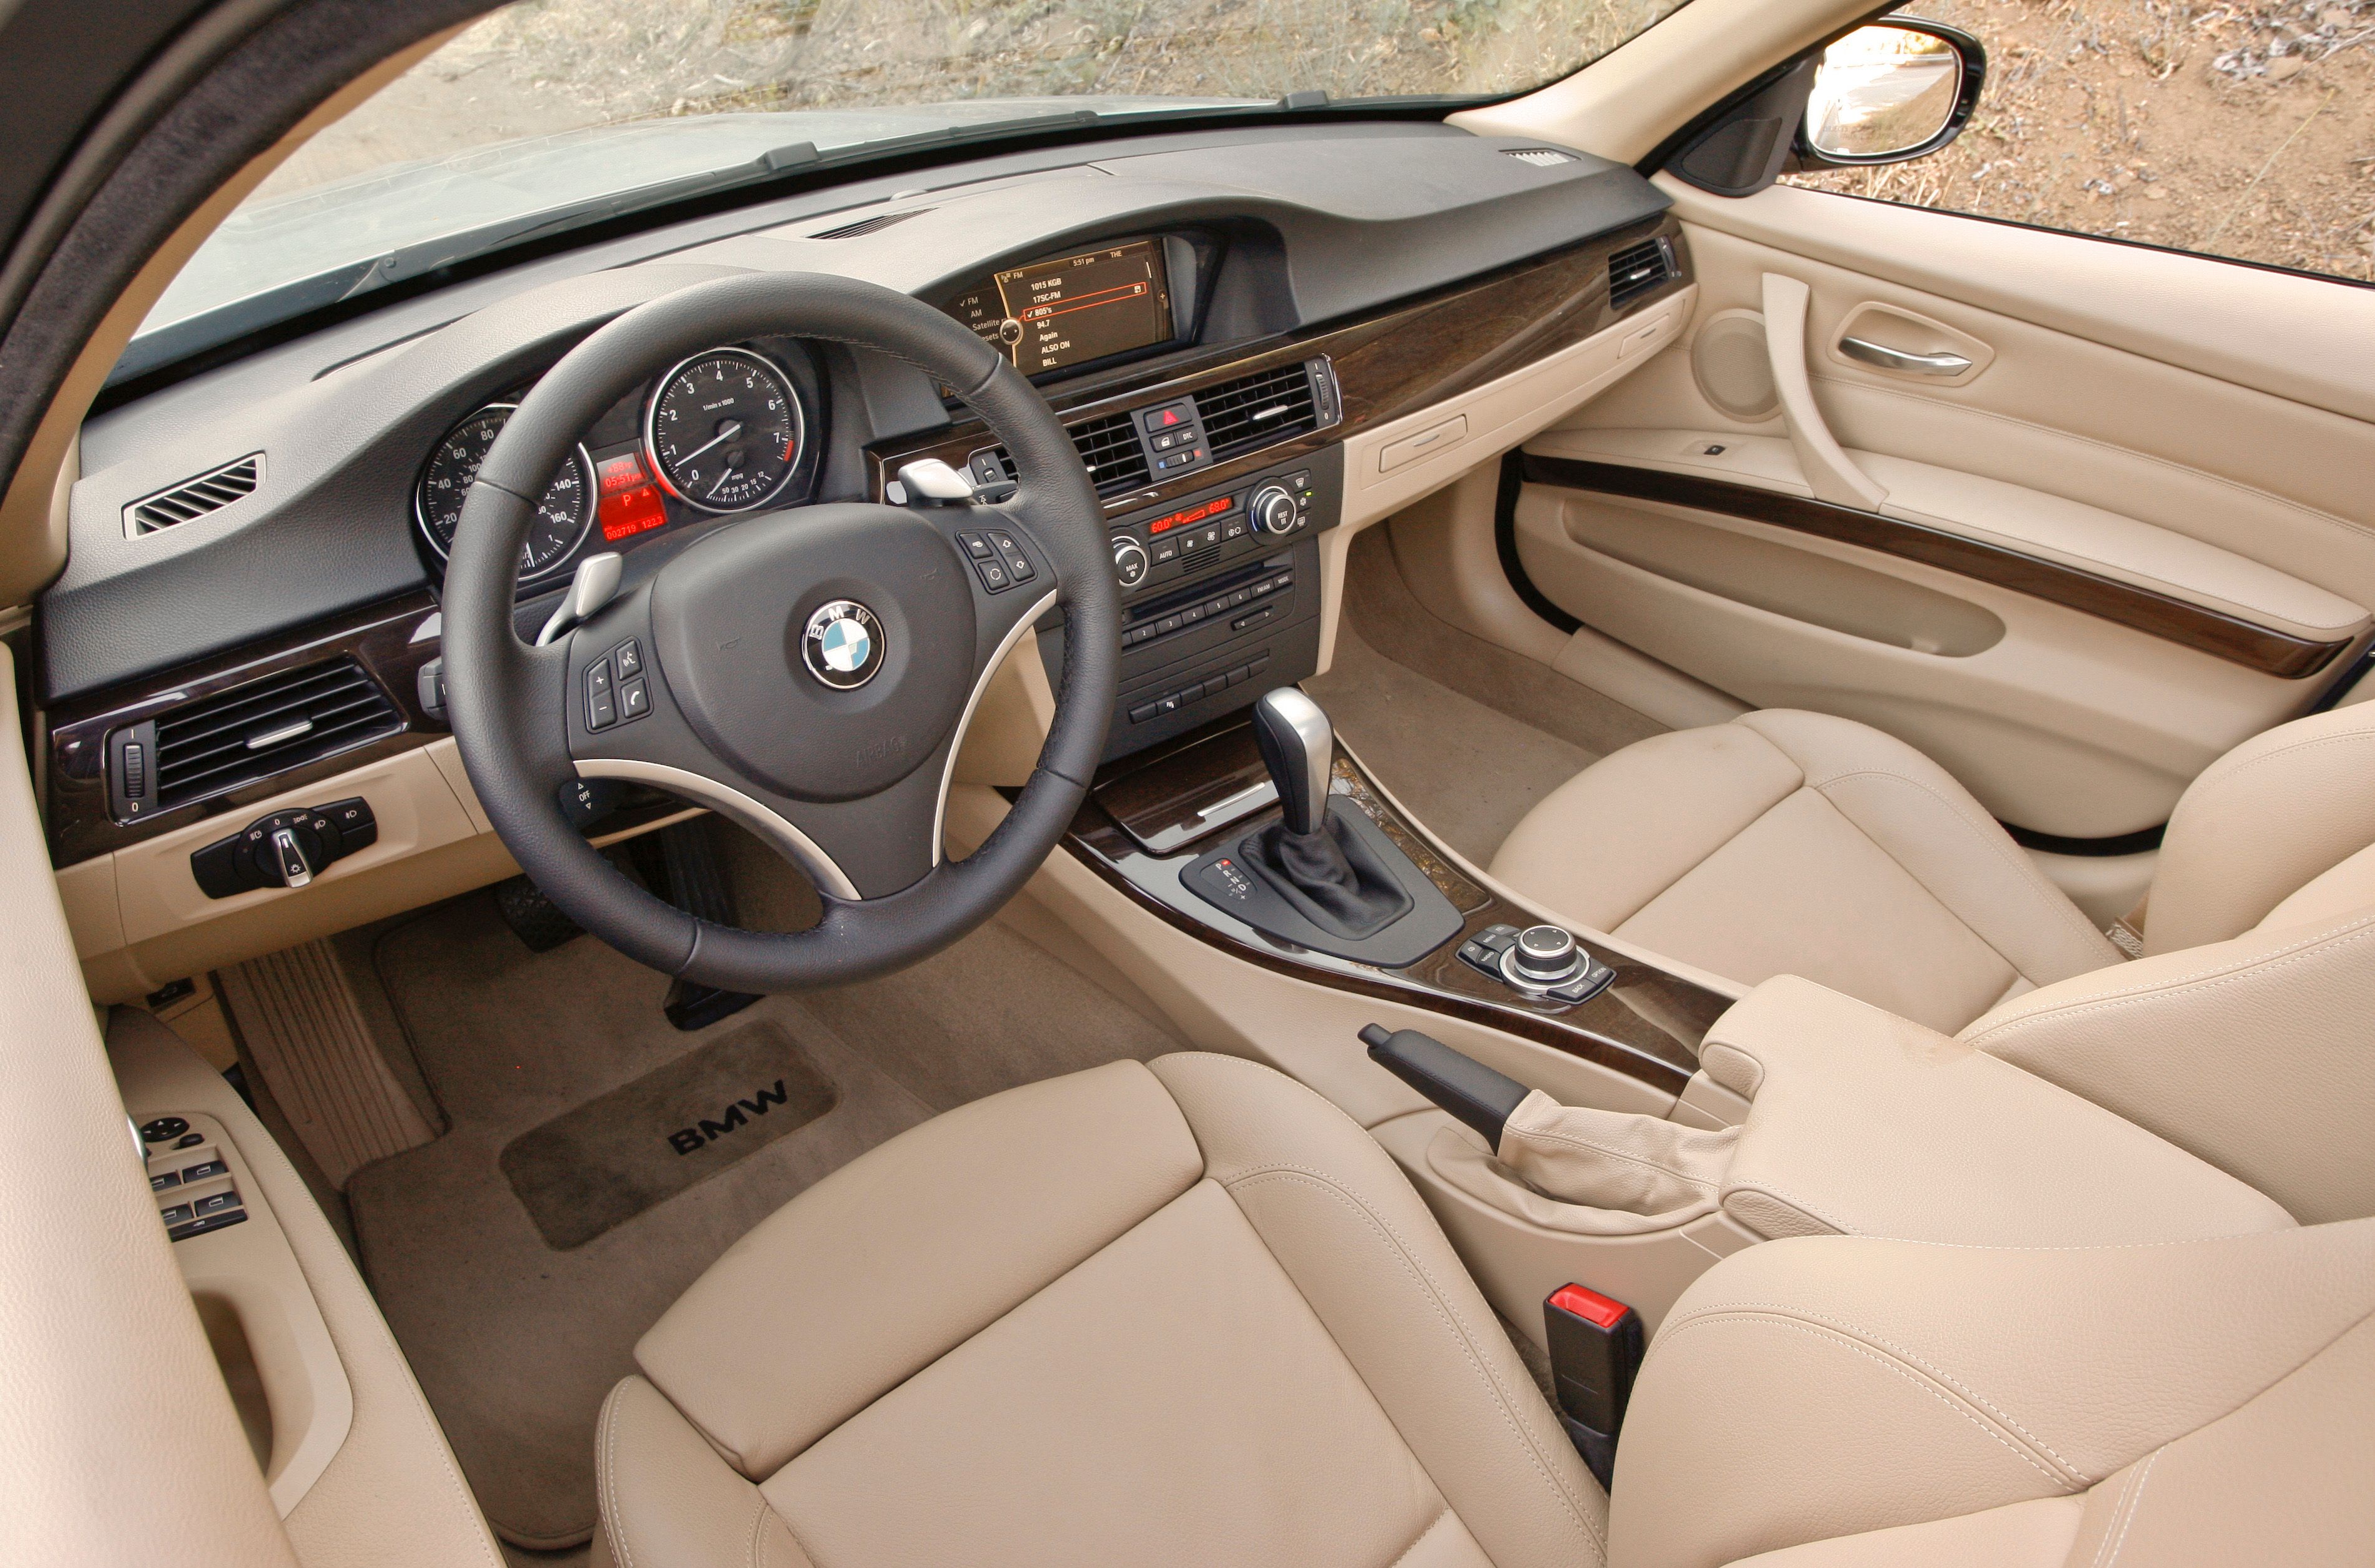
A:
x: 669, y: 1500
x: 909, y: 1250
x: 2260, y: 823
x: 1946, y: 839
x: 1363, y: 1250
x: 1809, y: 1389
x: 2251, y: 1054
x: 1624, y: 830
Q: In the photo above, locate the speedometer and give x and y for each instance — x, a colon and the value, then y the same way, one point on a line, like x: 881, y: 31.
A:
x: 562, y: 516
x: 725, y: 430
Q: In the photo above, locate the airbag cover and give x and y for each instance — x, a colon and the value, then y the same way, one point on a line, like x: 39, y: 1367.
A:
x: 728, y: 616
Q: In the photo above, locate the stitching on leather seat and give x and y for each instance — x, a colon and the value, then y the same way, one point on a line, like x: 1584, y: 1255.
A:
x: 2131, y: 1505
x: 1431, y: 1526
x: 1966, y: 1390
x: 606, y: 1480
x: 1461, y: 1334
x: 2064, y: 911
x: 1768, y: 1318
x: 2207, y: 979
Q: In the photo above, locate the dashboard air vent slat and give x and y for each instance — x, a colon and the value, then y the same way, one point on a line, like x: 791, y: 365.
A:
x: 1637, y: 269
x: 269, y: 726
x: 1254, y: 410
x: 1109, y: 448
x: 1539, y: 156
x: 210, y: 491
x: 868, y: 225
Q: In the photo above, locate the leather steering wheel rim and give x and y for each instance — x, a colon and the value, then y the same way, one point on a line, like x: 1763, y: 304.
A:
x: 514, y: 708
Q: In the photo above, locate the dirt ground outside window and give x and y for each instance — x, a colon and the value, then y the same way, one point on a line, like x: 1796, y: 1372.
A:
x: 2235, y: 130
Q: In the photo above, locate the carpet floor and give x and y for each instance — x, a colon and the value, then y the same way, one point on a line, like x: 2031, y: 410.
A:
x: 516, y: 1342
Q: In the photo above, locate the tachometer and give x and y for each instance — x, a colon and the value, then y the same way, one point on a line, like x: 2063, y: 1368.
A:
x: 562, y: 516
x: 725, y: 430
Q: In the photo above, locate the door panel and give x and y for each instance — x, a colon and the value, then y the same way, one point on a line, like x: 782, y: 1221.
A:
x: 2176, y: 559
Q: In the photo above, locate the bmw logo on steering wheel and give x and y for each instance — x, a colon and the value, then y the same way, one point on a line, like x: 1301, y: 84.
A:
x: 844, y: 644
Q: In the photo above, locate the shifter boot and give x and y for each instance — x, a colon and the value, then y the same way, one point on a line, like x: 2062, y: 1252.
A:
x: 1331, y: 878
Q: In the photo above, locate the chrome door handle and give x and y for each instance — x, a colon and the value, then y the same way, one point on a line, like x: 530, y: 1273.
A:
x: 1888, y: 359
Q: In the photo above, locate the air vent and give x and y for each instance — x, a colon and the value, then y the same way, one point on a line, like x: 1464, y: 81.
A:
x: 868, y: 225
x: 194, y: 497
x: 1539, y: 156
x: 1109, y: 449
x: 1256, y: 410
x: 1637, y: 269
x: 268, y: 726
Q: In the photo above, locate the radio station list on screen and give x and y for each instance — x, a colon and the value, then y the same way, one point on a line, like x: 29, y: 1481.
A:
x: 1067, y: 312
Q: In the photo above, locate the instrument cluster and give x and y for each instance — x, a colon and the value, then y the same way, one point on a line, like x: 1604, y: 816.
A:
x: 729, y: 430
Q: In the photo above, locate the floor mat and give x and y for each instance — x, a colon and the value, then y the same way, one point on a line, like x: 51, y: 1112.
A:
x: 600, y: 1165
x: 516, y: 1342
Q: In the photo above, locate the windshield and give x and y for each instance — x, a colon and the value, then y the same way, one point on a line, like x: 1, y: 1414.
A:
x: 551, y: 114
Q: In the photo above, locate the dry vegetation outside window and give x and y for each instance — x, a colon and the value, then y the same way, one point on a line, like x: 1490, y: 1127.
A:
x: 2238, y: 130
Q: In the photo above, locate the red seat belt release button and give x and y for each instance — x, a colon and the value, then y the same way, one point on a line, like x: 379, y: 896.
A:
x: 1596, y: 1347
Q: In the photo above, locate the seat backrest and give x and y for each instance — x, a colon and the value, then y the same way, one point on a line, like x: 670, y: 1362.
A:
x: 2276, y: 814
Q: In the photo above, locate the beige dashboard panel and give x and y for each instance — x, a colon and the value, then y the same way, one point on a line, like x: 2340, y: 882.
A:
x: 1391, y: 465
x: 140, y: 920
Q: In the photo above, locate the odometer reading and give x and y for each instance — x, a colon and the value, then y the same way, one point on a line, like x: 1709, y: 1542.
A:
x: 562, y: 516
x: 725, y: 430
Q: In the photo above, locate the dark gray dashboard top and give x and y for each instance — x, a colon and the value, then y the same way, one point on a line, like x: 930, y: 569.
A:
x: 1364, y: 215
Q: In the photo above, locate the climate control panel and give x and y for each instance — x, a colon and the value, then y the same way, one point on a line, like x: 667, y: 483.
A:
x: 1214, y: 531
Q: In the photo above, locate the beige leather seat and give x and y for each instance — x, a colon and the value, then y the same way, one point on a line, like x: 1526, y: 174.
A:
x: 1188, y: 1313
x: 1796, y: 842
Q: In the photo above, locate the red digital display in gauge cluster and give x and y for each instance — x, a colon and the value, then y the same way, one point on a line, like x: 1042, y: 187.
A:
x: 631, y: 503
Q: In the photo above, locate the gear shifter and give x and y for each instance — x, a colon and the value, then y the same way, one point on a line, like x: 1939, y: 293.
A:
x: 1298, y: 746
x: 1323, y: 869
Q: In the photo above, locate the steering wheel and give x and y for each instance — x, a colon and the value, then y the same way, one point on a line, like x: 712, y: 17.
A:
x: 807, y: 672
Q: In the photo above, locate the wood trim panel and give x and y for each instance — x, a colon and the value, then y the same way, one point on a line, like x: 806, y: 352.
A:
x: 1647, y: 1024
x: 1388, y: 365
x: 2127, y: 604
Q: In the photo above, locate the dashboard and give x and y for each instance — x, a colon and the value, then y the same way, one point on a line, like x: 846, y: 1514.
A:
x: 1213, y: 315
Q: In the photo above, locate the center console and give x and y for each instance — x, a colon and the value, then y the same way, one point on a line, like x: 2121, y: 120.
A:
x: 1221, y: 590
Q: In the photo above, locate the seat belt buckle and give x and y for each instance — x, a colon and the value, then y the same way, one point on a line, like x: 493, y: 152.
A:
x: 1596, y: 1347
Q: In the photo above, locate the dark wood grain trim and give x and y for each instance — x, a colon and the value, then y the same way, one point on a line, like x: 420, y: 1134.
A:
x: 1647, y: 1025
x: 2127, y: 604
x: 1393, y: 363
x: 379, y: 637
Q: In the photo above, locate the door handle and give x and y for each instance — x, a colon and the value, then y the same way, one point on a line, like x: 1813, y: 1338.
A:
x: 1888, y: 359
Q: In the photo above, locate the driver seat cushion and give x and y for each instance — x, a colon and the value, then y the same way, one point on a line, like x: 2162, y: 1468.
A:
x: 1795, y: 843
x: 1173, y: 1312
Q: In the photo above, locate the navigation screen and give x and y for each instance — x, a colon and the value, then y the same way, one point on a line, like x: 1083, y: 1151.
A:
x: 1064, y: 312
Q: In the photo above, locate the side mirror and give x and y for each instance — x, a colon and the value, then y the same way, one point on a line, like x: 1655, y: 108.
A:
x: 1891, y: 91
